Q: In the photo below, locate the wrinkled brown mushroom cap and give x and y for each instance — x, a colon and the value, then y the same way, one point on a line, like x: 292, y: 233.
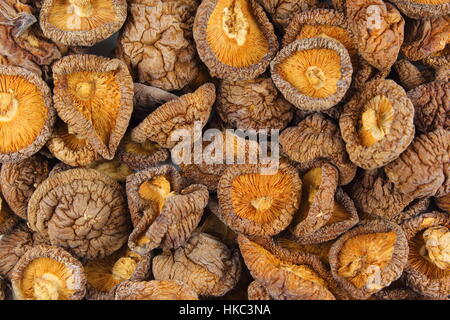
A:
x: 420, y: 9
x: 317, y: 138
x: 389, y: 135
x: 422, y: 273
x: 254, y: 203
x: 164, y: 123
x: 27, y: 115
x: 139, y: 156
x: 415, y: 208
x: 155, y: 290
x: 48, y: 273
x: 325, y: 73
x: 204, y: 264
x: 253, y: 36
x: 94, y: 96
x: 410, y: 76
x: 369, y: 257
x: 81, y: 22
x: 256, y: 291
x: 444, y: 202
x: 81, y: 210
x: 114, y: 168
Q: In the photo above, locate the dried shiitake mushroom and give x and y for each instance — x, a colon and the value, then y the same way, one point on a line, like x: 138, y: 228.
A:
x: 256, y: 291
x: 176, y: 116
x: 415, y: 208
x: 428, y: 268
x: 155, y: 290
x: 378, y: 29
x: 253, y: 105
x: 157, y: 45
x: 317, y: 138
x: 397, y: 294
x: 26, y: 113
x: 410, y: 76
x: 81, y: 210
x: 204, y: 264
x: 444, y: 202
x: 313, y: 74
x: 377, y: 125
x: 81, y: 22
x: 255, y: 203
x: 115, y: 169
x: 302, y: 278
x: 234, y: 38
x: 139, y: 156
x: 432, y: 106
x: 104, y: 275
x: 19, y: 180
x: 420, y: 9
x: 7, y: 218
x: 325, y: 23
x: 343, y: 217
x: 48, y: 273
x: 94, y: 96
x: 364, y: 73
x: 423, y: 169
x: 369, y: 257
x: 316, y: 206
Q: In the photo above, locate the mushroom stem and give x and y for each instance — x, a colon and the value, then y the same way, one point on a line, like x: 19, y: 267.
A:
x: 234, y: 23
x: 85, y: 90
x: 262, y: 203
x: 376, y: 120
x: 9, y: 106
x: 316, y: 77
x: 83, y: 8
x: 47, y: 287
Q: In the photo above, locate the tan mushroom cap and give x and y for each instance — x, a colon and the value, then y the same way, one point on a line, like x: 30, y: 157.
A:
x: 155, y: 290
x: 7, y: 218
x: 234, y: 38
x: 114, y: 168
x: 81, y: 22
x: 94, y: 96
x: 420, y: 9
x: 176, y: 117
x: 256, y: 291
x: 369, y: 257
x: 444, y: 202
x: 48, y: 273
x: 27, y: 115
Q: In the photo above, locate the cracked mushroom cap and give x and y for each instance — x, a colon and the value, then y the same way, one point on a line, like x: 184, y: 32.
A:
x: 94, y: 96
x: 301, y: 278
x: 27, y: 115
x: 313, y: 74
x: 258, y: 204
x: 175, y: 117
x: 253, y: 105
x: 81, y: 210
x: 421, y: 9
x: 316, y: 206
x: 317, y: 138
x: 377, y: 125
x: 432, y: 106
x: 140, y: 156
x: 369, y: 257
x: 343, y: 217
x: 48, y: 273
x: 20, y: 179
x: 155, y: 290
x: 104, y: 275
x: 424, y: 168
x: 234, y: 38
x: 203, y: 263
x: 81, y: 22
x: 377, y: 29
x: 428, y: 268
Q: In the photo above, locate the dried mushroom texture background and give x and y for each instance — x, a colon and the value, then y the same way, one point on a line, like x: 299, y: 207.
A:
x: 428, y: 268
x: 81, y: 22
x: 94, y: 96
x: 444, y: 202
x: 139, y: 156
x: 313, y: 74
x: 26, y: 113
x: 157, y: 45
x: 378, y: 31
x: 81, y: 210
x: 316, y: 138
x: 22, y: 43
x: 176, y: 116
x: 377, y: 125
x: 256, y: 291
x: 258, y: 204
x: 369, y: 257
x: 20, y: 179
x: 420, y: 9
x: 48, y: 273
x: 432, y: 106
x: 253, y: 104
x: 204, y: 264
x: 7, y: 217
x: 155, y: 290
x: 423, y: 169
x: 234, y: 38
